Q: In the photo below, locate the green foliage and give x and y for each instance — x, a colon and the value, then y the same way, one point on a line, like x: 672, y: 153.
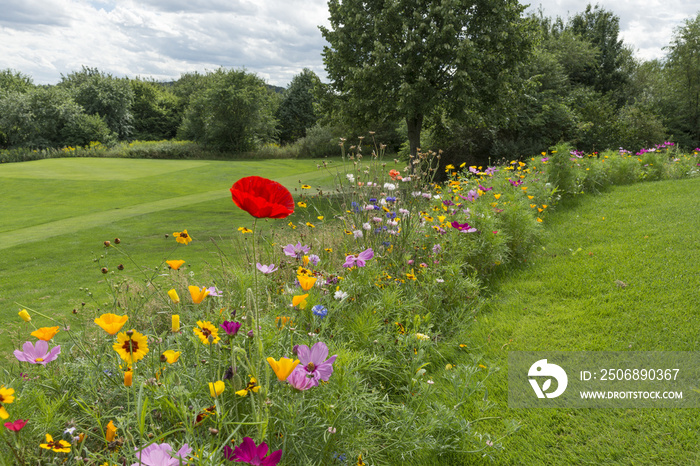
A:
x: 104, y: 95
x: 14, y: 81
x: 156, y: 111
x: 232, y: 110
x: 298, y: 110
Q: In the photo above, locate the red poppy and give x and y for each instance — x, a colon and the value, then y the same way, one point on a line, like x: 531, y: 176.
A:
x: 17, y: 425
x: 262, y: 198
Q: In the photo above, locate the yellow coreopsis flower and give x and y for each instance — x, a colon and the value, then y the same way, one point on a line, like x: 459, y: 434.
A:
x: 175, y: 264
x: 283, y: 367
x: 111, y: 323
x: 198, y: 294
x: 24, y: 315
x: 171, y: 356
x: 216, y: 388
x: 301, y: 204
x: 306, y: 282
x: 174, y: 296
x: 111, y: 432
x: 305, y: 186
x: 182, y: 237
x: 131, y: 346
x: 251, y: 387
x: 205, y: 330
x: 244, y: 230
x: 45, y: 333
x: 6, y: 397
x: 60, y: 446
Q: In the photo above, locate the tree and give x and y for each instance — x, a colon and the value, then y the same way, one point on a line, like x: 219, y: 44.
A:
x: 231, y: 110
x: 156, y: 111
x: 104, y: 95
x: 297, y: 111
x: 15, y: 81
x: 392, y: 59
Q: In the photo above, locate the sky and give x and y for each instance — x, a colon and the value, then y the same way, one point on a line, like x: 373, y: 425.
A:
x: 276, y: 39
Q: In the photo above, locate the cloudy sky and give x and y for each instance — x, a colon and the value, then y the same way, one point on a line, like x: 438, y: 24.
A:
x: 276, y: 39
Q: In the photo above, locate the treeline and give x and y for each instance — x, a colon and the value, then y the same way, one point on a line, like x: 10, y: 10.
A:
x: 573, y: 81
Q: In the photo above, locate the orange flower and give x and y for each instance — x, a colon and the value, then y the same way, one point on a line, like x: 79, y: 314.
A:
x: 45, y: 333
x: 198, y: 294
x: 182, y: 237
x: 175, y: 264
x: 300, y: 300
x: 395, y: 174
x: 110, y: 432
x: 111, y: 323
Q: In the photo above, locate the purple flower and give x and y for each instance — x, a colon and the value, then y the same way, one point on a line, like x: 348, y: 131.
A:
x: 485, y: 189
x: 463, y: 227
x: 437, y: 248
x: 472, y: 195
x: 213, y: 291
x: 301, y: 380
x: 314, y: 259
x: 249, y: 452
x: 359, y: 259
x: 266, y: 268
x: 297, y: 250
x: 231, y: 328
x: 161, y: 454
x: 491, y: 170
x: 38, y: 354
x: 313, y: 363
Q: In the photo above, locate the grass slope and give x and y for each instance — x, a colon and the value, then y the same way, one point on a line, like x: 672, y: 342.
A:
x: 57, y: 212
x: 618, y: 272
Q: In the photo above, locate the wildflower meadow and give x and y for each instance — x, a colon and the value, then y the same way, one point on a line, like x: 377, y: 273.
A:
x: 333, y: 328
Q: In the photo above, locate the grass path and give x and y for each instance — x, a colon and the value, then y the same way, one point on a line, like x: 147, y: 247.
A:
x: 618, y: 272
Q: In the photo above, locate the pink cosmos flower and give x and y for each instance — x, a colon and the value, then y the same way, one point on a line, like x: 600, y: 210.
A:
x: 249, y: 452
x: 313, y: 363
x: 296, y: 250
x: 266, y: 268
x: 38, y: 354
x: 161, y: 454
x: 301, y: 380
x: 360, y: 259
x: 17, y: 425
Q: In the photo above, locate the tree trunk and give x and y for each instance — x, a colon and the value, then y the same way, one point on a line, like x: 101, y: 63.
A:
x: 414, y: 125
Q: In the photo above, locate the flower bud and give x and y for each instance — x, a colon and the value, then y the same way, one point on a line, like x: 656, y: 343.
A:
x: 25, y: 315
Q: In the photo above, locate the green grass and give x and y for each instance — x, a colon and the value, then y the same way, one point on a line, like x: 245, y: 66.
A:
x: 57, y: 213
x: 618, y: 272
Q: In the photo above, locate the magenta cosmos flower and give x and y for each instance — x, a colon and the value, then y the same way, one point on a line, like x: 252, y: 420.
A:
x: 313, y: 364
x: 360, y: 259
x: 248, y: 452
x: 231, y: 328
x: 161, y: 454
x: 38, y: 354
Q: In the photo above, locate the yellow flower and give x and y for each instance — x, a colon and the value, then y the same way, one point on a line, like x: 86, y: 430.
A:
x: 306, y: 282
x: 310, y: 225
x: 182, y: 237
x: 128, y: 378
x: 328, y: 249
x: 216, y: 388
x: 497, y: 196
x: 45, y: 333
x: 320, y: 217
x: 244, y: 230
x: 305, y: 186
x: 283, y: 367
x: 111, y: 323
x: 60, y: 446
x: 175, y: 264
x: 531, y: 197
x: 539, y: 219
x: 25, y: 315
x: 411, y: 276
x: 131, y: 346
x: 198, y: 294
x: 174, y: 296
x: 450, y: 167
x: 301, y: 204
x: 292, y: 225
x: 111, y: 431
x: 281, y: 321
x: 422, y: 336
x: 171, y: 356
x: 205, y: 330
x: 175, y: 323
x: 251, y: 387
x: 5, y: 398
x: 300, y: 300
x: 304, y: 271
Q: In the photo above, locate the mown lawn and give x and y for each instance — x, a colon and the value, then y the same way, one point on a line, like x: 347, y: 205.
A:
x: 56, y: 214
x: 617, y: 272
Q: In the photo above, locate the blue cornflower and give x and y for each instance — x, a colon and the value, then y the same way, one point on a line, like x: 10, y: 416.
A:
x: 319, y: 311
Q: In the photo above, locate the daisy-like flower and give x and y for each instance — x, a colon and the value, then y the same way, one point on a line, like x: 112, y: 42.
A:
x: 204, y: 330
x: 283, y: 367
x: 175, y: 264
x: 340, y: 295
x: 358, y: 260
x: 319, y: 311
x: 249, y: 452
x: 231, y: 328
x: 170, y: 356
x: 244, y: 230
x: 301, y: 380
x: 111, y: 323
x: 162, y: 454
x: 182, y: 237
x: 214, y: 292
x: 296, y: 250
x: 198, y: 294
x: 37, y: 354
x: 313, y: 362
x: 314, y: 259
x: 6, y: 397
x: 60, y: 446
x: 45, y: 333
x: 266, y: 268
x: 305, y: 186
x: 17, y: 425
x: 131, y: 346
x: 251, y: 387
